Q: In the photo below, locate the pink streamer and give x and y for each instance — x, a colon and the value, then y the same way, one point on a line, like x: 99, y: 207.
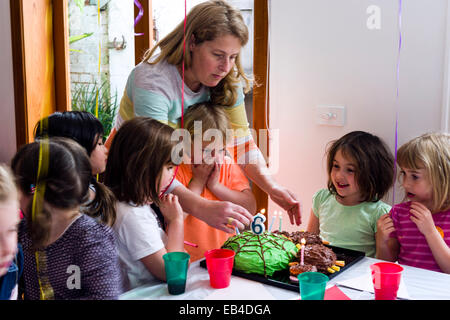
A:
x: 139, y: 17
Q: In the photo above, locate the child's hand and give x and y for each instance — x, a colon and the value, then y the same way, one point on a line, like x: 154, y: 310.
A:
x: 422, y: 217
x: 201, y: 172
x: 171, y: 208
x: 213, y: 179
x: 385, y: 226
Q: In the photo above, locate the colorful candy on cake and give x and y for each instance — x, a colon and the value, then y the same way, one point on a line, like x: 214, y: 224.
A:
x: 261, y: 254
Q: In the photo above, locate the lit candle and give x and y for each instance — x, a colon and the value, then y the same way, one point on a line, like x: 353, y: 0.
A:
x: 302, y: 253
x: 281, y: 221
x: 273, y: 220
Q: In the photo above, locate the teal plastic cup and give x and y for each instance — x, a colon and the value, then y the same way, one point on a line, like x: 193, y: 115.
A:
x: 176, y: 266
x: 312, y: 285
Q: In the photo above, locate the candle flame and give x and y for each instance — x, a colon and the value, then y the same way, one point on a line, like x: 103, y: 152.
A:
x: 303, y: 241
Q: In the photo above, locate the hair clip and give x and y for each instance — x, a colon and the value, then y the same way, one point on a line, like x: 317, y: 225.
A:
x: 32, y: 188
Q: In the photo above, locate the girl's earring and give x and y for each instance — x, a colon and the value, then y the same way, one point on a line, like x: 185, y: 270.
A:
x: 32, y: 188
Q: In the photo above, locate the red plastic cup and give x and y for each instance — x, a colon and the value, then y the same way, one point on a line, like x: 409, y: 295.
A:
x: 386, y: 280
x: 219, y: 263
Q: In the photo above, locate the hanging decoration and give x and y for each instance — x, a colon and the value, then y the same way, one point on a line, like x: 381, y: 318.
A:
x: 139, y: 16
x: 397, y: 97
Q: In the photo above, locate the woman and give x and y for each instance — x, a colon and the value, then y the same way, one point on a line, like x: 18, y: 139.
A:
x: 215, y: 33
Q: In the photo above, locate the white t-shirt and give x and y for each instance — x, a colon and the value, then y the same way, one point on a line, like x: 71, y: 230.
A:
x: 138, y: 234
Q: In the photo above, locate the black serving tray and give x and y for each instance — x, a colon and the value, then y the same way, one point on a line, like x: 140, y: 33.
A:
x: 280, y: 279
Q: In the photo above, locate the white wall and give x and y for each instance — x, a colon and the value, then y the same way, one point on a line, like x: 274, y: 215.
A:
x: 121, y: 62
x: 323, y: 53
x: 7, y: 120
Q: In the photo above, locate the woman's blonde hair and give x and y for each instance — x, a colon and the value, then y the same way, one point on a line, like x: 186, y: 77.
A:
x: 430, y: 151
x: 206, y: 22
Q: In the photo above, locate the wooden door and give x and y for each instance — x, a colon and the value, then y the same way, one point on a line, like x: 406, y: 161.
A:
x: 40, y: 69
x: 260, y: 92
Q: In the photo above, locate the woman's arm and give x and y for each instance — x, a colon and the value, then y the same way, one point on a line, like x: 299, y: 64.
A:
x: 242, y: 196
x: 259, y: 174
x: 246, y: 153
x: 223, y: 210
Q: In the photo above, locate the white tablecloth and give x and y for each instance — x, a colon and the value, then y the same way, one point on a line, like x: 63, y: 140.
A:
x: 420, y: 284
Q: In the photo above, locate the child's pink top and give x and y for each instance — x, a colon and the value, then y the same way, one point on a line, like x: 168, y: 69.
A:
x: 414, y: 249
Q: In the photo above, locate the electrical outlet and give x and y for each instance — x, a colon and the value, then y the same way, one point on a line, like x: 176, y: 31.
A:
x: 330, y: 115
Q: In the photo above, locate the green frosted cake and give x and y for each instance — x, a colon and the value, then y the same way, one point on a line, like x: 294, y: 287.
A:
x: 262, y: 254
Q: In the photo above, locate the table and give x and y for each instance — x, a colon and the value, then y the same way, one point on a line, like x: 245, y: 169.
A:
x: 421, y: 284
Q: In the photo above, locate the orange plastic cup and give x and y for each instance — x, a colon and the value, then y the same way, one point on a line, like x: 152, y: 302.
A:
x: 386, y: 280
x: 219, y: 263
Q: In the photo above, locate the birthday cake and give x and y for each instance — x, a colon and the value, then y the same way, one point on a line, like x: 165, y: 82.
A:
x: 261, y: 254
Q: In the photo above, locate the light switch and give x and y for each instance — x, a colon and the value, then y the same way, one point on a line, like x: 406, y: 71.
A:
x: 330, y: 115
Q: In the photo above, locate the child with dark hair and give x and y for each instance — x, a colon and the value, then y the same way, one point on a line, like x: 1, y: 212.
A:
x: 67, y: 254
x: 87, y: 130
x: 11, y: 255
x: 360, y: 172
x: 417, y: 231
x: 138, y: 171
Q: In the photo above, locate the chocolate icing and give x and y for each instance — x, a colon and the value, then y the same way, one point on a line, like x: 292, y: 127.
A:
x: 319, y: 255
x: 311, y: 238
x: 297, y: 236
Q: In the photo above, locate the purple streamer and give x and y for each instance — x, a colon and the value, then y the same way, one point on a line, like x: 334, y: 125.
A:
x: 139, y: 16
x: 397, y: 100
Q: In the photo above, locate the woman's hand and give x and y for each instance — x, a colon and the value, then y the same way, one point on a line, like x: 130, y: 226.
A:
x: 422, y: 217
x: 217, y: 214
x: 288, y: 201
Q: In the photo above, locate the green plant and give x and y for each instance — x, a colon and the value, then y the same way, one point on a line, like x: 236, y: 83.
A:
x: 80, y: 4
x: 84, y: 98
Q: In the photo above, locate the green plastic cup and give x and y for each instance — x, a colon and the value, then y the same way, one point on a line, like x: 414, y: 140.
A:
x: 312, y: 285
x: 176, y: 266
